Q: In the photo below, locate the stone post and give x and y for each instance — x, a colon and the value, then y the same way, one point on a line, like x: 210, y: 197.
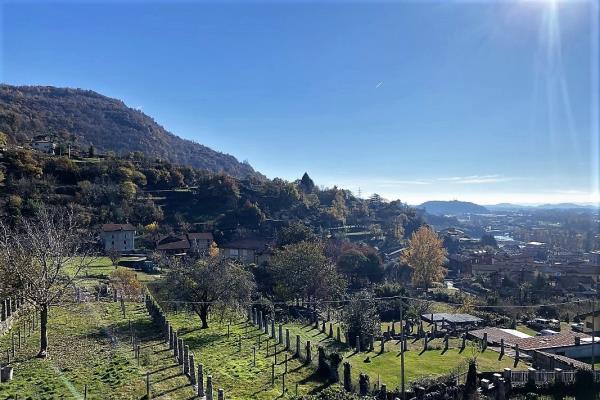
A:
x: 298, y: 346
x: 358, y: 344
x: 382, y: 346
x: 308, y: 352
x: 501, y: 347
x: 280, y: 341
x: 330, y: 330
x: 484, y: 342
x: 175, y: 344
x: 348, y: 377
x: 200, y: 380
x: 531, y: 374
x: 517, y: 355
x: 558, y: 375
x: 287, y: 339
x: 383, y: 391
x: 338, y: 334
x: 425, y: 339
x: 501, y: 390
x: 192, y: 373
x: 273, y: 328
x: 363, y: 384
x: 180, y: 352
x: 209, y: 388
x: 186, y: 359
x: 464, y: 341
x: 323, y: 327
x: 221, y: 394
x: 446, y: 342
x: 3, y: 313
x: 260, y: 320
x: 170, y: 337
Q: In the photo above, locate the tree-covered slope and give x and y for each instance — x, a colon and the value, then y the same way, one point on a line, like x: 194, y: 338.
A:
x: 89, y: 118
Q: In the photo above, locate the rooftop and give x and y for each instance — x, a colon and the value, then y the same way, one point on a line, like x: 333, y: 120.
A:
x: 451, y: 318
x: 117, y: 227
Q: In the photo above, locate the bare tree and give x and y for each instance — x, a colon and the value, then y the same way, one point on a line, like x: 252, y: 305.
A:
x: 40, y: 258
x: 210, y: 282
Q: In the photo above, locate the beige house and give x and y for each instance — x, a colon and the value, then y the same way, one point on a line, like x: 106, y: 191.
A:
x: 119, y: 237
x: 247, y: 251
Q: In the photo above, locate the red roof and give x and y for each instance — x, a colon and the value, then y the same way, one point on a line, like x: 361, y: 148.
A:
x: 117, y: 227
x: 562, y: 339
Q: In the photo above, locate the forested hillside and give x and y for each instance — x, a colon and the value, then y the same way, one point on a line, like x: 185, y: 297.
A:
x: 84, y: 118
x: 158, y: 195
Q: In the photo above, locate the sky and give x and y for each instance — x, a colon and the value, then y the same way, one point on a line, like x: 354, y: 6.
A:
x: 484, y: 101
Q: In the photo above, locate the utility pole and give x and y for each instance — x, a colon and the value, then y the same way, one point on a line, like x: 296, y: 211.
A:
x: 402, y: 350
x: 594, y: 340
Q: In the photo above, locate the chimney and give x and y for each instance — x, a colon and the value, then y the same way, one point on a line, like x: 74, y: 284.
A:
x: 577, y: 340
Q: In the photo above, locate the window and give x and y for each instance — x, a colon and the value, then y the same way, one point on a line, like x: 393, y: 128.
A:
x: 233, y: 252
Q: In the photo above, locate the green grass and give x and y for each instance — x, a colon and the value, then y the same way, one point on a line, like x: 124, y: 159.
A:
x: 90, y: 345
x: 232, y: 369
x: 417, y: 364
x: 99, y: 270
x: 526, y: 329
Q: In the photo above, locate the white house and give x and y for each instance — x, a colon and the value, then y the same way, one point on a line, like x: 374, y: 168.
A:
x: 120, y: 237
x: 44, y: 146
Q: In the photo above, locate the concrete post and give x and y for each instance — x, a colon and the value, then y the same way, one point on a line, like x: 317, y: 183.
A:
x: 287, y: 339
x: 200, y: 380
x: 484, y: 342
x: 209, y: 388
x: 501, y: 347
x: 338, y: 334
x: 221, y: 394
x: 192, y: 372
x: 298, y: 346
x: 308, y: 352
x: 180, y: 352
x: 273, y: 328
x: 280, y: 341
x: 186, y: 360
x: 446, y: 339
x: 348, y: 377
x: 358, y: 344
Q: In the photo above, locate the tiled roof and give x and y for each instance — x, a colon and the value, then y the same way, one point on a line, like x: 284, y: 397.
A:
x: 495, y: 335
x: 117, y: 227
x: 251, y: 244
x: 562, y: 339
x: 200, y: 236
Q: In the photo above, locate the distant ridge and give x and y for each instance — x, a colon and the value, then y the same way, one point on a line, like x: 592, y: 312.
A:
x: 106, y: 123
x: 454, y: 207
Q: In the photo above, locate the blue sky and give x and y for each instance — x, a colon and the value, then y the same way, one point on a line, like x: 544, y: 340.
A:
x: 479, y: 100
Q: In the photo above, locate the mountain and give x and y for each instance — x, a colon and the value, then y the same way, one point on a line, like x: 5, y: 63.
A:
x: 108, y: 124
x: 453, y: 207
x: 557, y: 206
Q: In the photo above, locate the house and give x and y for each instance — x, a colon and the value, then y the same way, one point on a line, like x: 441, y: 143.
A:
x: 591, y: 322
x: 200, y: 241
x: 177, y: 244
x: 246, y: 251
x: 119, y: 237
x: 43, y: 145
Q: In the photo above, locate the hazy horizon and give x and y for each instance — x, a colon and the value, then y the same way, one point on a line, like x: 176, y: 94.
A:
x: 488, y: 102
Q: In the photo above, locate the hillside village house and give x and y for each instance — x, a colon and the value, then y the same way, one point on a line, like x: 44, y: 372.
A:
x: 178, y: 244
x: 43, y: 145
x: 119, y: 237
x: 246, y: 251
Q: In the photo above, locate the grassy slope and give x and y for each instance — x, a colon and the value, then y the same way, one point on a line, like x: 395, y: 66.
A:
x: 232, y: 369
x: 90, y: 345
x: 387, y: 365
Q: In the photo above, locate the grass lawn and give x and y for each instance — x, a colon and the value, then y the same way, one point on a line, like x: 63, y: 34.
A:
x: 417, y: 364
x: 526, y: 329
x: 99, y: 269
x: 90, y: 345
x: 232, y: 368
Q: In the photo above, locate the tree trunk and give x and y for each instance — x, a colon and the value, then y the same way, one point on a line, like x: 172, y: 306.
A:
x: 204, y: 316
x: 43, y: 332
